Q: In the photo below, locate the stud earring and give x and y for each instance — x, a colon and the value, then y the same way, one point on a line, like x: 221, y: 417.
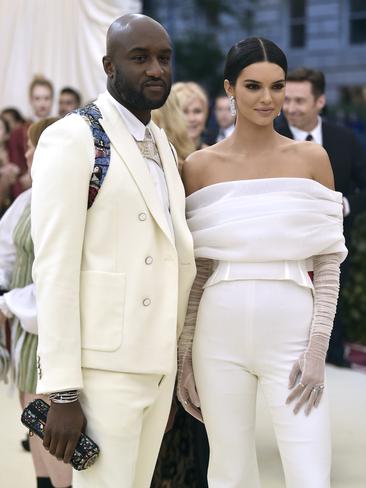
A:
x: 232, y: 106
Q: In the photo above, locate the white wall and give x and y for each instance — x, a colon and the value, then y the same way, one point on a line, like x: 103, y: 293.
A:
x: 62, y: 39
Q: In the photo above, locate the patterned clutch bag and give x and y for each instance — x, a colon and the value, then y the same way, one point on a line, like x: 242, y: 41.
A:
x: 34, y: 418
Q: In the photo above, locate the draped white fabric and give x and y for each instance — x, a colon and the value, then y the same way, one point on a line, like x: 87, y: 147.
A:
x: 266, y: 220
x: 62, y: 39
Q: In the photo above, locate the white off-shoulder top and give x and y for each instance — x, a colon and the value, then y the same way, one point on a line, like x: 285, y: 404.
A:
x: 265, y: 228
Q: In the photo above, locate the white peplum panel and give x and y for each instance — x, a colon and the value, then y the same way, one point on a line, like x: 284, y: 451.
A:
x: 275, y: 270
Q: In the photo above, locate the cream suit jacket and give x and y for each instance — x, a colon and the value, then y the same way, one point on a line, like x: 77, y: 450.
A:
x: 112, y: 284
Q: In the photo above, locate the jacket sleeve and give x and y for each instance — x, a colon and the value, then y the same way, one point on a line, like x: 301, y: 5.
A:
x: 61, y: 171
x: 357, y: 199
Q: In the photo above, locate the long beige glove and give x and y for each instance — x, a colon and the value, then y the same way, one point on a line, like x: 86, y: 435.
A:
x: 307, y: 375
x: 186, y: 386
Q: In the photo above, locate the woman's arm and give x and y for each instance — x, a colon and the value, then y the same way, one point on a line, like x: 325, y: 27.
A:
x: 186, y: 388
x: 7, y: 247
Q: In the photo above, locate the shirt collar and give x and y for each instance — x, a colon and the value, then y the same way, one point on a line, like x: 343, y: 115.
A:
x: 300, y: 135
x: 135, y: 127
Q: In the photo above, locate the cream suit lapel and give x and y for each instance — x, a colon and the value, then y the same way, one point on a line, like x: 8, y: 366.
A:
x: 183, y: 238
x: 127, y: 149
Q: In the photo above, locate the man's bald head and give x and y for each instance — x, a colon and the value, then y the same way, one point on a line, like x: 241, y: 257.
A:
x: 131, y: 24
x: 138, y: 63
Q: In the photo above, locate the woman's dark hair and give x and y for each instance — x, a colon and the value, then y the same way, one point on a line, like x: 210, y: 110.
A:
x: 6, y: 124
x: 14, y: 113
x: 249, y: 51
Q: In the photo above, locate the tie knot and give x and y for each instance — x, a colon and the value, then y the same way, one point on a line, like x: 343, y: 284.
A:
x: 148, y: 148
x: 148, y: 136
x: 309, y: 137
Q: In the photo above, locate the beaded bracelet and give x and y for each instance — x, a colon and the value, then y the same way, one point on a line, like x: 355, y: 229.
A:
x: 64, y: 396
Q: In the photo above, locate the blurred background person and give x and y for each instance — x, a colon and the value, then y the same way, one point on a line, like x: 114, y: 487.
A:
x: 13, y: 117
x: 69, y: 99
x: 171, y: 118
x: 194, y: 103
x: 40, y: 97
x: 225, y: 121
x: 304, y: 101
x: 8, y: 171
x: 19, y: 306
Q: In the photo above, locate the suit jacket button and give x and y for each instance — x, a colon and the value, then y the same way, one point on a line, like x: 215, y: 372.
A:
x: 142, y: 216
x: 146, y: 302
x: 148, y: 260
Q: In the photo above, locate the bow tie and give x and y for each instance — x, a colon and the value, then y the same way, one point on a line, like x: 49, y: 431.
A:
x: 148, y: 148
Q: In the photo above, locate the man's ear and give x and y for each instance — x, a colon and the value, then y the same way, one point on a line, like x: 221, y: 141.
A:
x: 320, y: 102
x: 230, y: 92
x: 108, y: 66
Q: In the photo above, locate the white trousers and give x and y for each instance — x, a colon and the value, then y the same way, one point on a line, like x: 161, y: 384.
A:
x: 127, y: 415
x: 250, y: 332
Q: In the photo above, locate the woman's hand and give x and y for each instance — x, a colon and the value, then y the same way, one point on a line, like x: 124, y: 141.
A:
x: 307, y: 382
x: 187, y: 392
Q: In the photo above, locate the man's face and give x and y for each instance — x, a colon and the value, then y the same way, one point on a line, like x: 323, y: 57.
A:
x: 66, y: 103
x: 142, y: 68
x: 222, y: 112
x: 41, y: 101
x: 300, y: 107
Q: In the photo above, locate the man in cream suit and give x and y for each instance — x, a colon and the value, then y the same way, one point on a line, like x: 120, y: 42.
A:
x: 112, y: 282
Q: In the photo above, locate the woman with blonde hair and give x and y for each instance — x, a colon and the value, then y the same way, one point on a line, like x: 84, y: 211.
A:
x: 194, y: 103
x: 170, y: 117
x: 18, y: 305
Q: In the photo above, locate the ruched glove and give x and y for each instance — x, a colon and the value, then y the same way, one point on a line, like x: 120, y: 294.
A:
x: 186, y: 386
x: 307, y: 375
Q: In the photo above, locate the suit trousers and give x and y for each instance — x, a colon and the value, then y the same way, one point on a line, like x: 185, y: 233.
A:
x: 127, y: 415
x: 251, y: 332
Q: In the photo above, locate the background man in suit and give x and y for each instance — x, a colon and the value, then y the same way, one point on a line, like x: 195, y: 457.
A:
x: 305, y: 99
x: 68, y: 100
x: 112, y: 283
x: 223, y: 124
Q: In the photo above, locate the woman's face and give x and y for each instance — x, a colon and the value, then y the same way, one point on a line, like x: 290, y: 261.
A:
x: 195, y: 114
x: 29, y: 154
x: 259, y: 92
x: 41, y: 101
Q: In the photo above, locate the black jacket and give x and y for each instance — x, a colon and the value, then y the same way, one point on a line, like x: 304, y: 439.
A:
x: 348, y: 161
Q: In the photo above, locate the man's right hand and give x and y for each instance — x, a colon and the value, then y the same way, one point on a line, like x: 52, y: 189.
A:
x: 65, y: 423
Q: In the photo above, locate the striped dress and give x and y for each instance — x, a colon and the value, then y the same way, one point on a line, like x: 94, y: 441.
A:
x: 24, y: 344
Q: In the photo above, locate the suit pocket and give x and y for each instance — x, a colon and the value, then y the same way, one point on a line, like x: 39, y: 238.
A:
x: 102, y: 299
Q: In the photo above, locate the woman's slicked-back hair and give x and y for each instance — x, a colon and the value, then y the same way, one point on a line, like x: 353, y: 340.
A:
x: 249, y: 51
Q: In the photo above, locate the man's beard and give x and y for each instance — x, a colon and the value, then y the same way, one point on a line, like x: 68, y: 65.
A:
x: 135, y: 98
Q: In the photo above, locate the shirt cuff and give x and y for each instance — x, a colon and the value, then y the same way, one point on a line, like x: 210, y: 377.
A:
x: 4, y: 308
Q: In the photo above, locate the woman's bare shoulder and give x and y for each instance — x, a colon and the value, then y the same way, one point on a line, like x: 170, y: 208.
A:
x: 196, y: 167
x: 316, y: 159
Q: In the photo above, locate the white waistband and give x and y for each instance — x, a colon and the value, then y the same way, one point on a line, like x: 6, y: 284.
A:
x: 276, y: 270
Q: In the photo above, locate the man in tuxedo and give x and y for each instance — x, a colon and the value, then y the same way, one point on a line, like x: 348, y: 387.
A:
x: 224, y: 123
x: 112, y: 282
x: 304, y: 101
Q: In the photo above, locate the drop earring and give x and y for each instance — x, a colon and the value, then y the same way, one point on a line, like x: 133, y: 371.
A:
x: 232, y: 106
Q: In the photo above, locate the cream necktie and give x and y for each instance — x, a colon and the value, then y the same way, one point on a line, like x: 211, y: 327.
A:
x: 148, y: 148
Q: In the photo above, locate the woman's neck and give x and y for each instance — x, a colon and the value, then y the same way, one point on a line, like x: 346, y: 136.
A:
x: 252, y: 137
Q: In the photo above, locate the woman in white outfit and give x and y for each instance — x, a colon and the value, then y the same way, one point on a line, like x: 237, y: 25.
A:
x: 263, y: 213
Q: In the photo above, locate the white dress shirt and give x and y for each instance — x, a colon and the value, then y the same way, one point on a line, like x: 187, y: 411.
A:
x: 137, y: 129
x: 301, y: 135
x: 224, y: 133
